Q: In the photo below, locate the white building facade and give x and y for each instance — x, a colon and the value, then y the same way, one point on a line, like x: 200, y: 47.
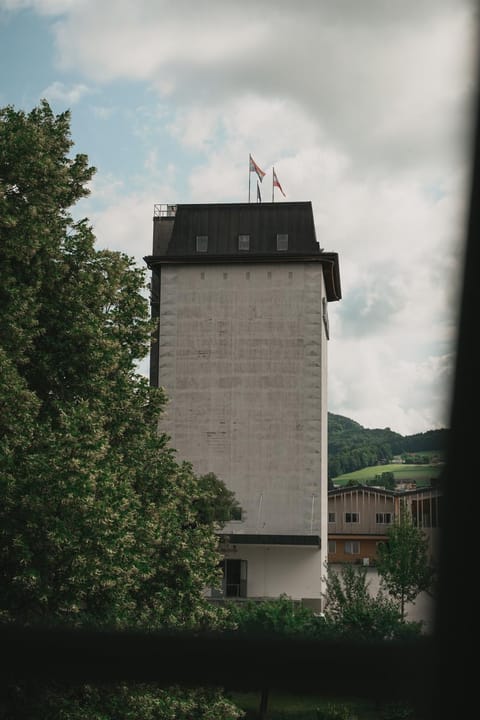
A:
x: 241, y: 294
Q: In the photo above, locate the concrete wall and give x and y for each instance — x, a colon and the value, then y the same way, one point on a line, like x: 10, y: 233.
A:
x: 271, y: 571
x: 242, y: 358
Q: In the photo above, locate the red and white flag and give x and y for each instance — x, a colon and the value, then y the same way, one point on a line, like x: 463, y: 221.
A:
x: 254, y: 168
x: 276, y: 183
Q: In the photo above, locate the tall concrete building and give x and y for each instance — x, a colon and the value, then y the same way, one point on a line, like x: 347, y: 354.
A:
x: 241, y: 293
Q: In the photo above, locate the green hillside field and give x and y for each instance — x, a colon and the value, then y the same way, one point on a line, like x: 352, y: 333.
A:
x: 421, y: 474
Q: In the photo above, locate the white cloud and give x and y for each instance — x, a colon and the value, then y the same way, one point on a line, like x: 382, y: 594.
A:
x: 103, y: 112
x: 123, y: 220
x: 363, y: 108
x: 416, y: 392
x: 58, y: 91
x: 399, y: 249
x: 44, y: 7
x: 386, y: 83
x: 125, y: 225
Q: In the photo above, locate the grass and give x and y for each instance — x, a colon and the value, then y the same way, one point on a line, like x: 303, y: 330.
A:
x: 421, y: 474
x: 284, y: 706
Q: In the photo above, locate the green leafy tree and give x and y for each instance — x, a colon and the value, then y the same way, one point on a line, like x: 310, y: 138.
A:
x: 352, y: 611
x: 386, y: 480
x: 403, y: 561
x: 101, y: 526
x: 217, y: 504
x: 279, y: 616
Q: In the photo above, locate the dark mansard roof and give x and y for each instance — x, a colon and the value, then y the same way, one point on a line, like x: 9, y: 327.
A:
x: 178, y: 230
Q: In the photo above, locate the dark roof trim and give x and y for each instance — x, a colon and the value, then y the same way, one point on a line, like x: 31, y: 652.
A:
x: 353, y: 535
x: 364, y: 488
x: 251, y: 258
x: 383, y: 491
x: 421, y: 491
x: 257, y: 539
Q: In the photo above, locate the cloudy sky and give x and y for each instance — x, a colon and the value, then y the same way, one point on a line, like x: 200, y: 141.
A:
x: 363, y: 108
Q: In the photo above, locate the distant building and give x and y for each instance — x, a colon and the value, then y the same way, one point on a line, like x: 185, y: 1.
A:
x: 425, y: 505
x: 240, y: 292
x: 359, y: 517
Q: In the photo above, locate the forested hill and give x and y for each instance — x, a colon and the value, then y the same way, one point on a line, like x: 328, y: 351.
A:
x: 352, y: 446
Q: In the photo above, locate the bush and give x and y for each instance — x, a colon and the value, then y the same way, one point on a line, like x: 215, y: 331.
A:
x: 282, y: 616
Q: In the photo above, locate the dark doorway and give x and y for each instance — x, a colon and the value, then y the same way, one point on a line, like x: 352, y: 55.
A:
x: 234, y: 578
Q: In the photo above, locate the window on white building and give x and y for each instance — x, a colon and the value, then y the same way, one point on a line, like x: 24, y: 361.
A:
x: 236, y: 513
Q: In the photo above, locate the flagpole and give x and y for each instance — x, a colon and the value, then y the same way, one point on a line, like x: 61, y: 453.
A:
x: 249, y: 173
x: 273, y: 184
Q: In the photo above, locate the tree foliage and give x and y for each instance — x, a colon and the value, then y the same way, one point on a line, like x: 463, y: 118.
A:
x: 101, y: 525
x: 217, y: 504
x: 279, y: 616
x: 403, y: 561
x: 353, y: 612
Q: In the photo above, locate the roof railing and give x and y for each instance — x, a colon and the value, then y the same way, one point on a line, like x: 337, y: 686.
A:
x: 164, y: 210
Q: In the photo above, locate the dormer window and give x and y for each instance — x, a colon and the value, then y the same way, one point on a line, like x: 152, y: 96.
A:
x: 244, y: 243
x: 282, y: 241
x: 201, y: 244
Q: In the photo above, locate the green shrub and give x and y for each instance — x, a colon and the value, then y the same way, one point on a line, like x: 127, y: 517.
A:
x: 334, y: 711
